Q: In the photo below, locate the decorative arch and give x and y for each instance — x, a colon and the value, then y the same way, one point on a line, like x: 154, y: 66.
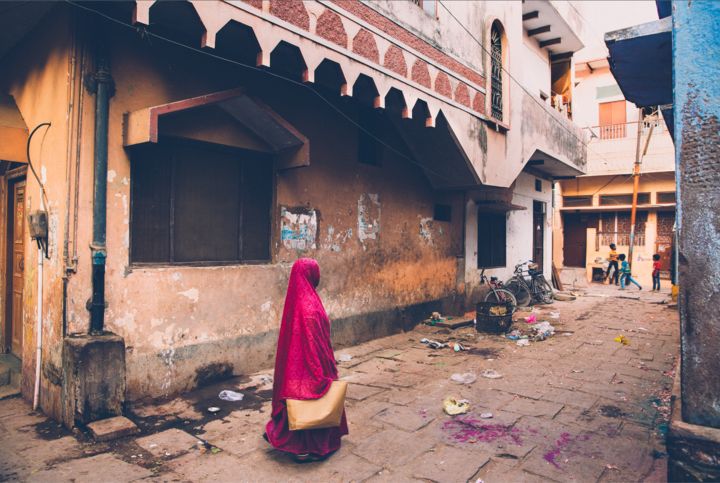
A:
x: 442, y: 84
x: 395, y: 60
x: 291, y: 11
x: 421, y: 73
x: 364, y: 44
x: 330, y: 27
x: 462, y: 94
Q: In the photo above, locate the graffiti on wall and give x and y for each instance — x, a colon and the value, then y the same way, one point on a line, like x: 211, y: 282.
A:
x: 368, y: 217
x: 298, y: 228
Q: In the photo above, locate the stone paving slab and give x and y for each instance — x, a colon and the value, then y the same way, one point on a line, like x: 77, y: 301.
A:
x: 393, y: 448
x: 169, y: 443
x: 103, y: 467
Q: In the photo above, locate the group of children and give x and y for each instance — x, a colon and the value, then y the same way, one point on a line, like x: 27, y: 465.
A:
x: 623, y: 273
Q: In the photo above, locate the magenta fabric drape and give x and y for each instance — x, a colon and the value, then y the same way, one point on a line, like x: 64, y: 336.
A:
x: 304, y: 364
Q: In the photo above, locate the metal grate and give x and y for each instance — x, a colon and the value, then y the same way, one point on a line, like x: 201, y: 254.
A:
x: 496, y: 99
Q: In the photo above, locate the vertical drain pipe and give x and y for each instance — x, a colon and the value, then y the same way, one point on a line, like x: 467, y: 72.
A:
x: 103, y: 86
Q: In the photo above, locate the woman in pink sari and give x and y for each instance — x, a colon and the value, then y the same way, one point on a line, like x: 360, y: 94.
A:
x: 304, y: 366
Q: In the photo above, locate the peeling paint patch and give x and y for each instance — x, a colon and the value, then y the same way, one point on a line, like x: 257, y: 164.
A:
x: 426, y: 225
x: 368, y: 216
x: 334, y: 241
x: 298, y: 228
x: 193, y: 294
x: 176, y: 276
x: 111, y: 175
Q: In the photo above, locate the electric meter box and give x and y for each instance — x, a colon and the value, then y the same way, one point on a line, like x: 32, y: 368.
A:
x: 38, y: 225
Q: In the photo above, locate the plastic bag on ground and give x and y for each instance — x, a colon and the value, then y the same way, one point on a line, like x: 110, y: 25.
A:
x: 491, y: 374
x: 523, y: 342
x: 233, y: 396
x: 466, y: 378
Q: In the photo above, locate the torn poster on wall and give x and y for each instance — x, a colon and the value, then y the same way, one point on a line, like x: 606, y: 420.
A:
x: 298, y: 228
x: 368, y: 216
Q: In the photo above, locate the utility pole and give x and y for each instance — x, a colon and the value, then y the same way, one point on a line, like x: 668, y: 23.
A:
x: 636, y: 179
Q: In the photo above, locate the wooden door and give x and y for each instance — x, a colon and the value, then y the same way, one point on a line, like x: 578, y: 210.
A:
x: 575, y: 239
x: 664, y: 239
x: 612, y: 120
x: 538, y: 232
x: 16, y: 263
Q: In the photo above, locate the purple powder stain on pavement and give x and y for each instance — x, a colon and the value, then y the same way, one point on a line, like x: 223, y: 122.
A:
x: 469, y: 430
x: 561, y: 444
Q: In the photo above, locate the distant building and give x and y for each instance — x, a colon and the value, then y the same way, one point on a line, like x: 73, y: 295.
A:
x: 594, y: 209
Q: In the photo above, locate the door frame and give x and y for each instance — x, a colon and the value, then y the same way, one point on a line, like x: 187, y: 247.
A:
x: 539, y: 212
x: 8, y: 181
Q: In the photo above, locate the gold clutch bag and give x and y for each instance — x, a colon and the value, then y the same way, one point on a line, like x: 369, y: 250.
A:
x: 325, y: 412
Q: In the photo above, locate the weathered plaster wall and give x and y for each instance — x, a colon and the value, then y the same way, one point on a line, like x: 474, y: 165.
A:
x: 183, y: 325
x: 697, y: 141
x: 37, y: 76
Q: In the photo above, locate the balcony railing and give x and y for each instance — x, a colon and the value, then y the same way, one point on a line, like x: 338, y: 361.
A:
x: 625, y: 130
x: 605, y: 238
x: 613, y: 131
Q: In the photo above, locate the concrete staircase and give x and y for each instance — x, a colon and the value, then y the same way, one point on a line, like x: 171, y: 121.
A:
x: 9, y: 376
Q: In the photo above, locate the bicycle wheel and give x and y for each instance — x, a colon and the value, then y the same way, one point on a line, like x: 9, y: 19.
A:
x: 545, y: 289
x: 520, y: 291
x: 501, y: 295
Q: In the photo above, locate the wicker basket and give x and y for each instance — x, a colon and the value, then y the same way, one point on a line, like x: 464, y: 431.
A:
x: 487, y: 321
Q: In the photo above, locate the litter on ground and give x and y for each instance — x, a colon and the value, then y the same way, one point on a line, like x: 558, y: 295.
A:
x: 433, y: 344
x: 622, y: 339
x: 491, y: 374
x: 466, y: 378
x: 454, y: 406
x: 232, y: 396
x: 344, y: 358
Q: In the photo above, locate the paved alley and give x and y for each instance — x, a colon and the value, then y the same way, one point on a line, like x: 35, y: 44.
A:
x: 578, y: 406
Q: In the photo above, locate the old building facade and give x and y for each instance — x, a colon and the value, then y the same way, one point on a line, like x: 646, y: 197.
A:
x: 595, y: 209
x: 403, y: 146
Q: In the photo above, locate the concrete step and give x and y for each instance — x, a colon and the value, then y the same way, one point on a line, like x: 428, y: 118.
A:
x: 9, y: 391
x: 9, y: 371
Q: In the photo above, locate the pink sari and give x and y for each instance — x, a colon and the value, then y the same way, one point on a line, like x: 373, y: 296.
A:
x: 304, y: 364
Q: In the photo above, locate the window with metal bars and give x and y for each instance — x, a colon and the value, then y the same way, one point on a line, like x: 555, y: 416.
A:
x: 496, y: 87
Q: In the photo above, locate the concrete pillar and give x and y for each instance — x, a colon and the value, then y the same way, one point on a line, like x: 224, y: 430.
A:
x: 93, y: 378
x: 696, y: 59
x: 693, y: 437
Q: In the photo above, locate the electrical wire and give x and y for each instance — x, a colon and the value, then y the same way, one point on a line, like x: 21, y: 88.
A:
x: 32, y: 168
x: 146, y: 32
x: 541, y: 104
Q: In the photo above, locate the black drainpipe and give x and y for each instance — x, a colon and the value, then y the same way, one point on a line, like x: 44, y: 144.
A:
x: 101, y: 82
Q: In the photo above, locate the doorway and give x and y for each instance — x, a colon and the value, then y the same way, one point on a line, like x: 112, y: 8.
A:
x: 575, y: 239
x: 539, y: 233
x: 15, y: 263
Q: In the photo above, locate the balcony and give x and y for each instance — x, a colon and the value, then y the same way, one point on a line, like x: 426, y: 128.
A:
x: 612, y: 148
x: 552, y: 143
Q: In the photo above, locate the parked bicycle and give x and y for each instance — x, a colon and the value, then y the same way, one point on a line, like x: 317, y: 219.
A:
x: 497, y: 293
x: 529, y: 286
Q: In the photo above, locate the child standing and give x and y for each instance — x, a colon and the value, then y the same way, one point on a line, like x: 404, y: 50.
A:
x: 613, y: 259
x: 656, y: 272
x: 625, y: 276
